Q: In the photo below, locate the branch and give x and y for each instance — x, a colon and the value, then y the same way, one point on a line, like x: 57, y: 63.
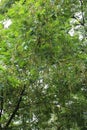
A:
x: 16, y: 108
x: 1, y: 109
x: 82, y: 13
x: 83, y: 19
x: 81, y: 23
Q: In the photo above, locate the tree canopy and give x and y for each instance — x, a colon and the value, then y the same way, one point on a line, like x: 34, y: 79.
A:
x: 43, y: 65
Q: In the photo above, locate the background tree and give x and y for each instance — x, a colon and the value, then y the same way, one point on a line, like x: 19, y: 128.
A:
x: 43, y: 60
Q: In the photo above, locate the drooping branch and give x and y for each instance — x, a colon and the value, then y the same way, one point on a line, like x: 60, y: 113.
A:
x: 16, y: 108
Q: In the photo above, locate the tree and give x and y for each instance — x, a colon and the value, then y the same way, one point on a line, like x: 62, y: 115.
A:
x: 43, y: 65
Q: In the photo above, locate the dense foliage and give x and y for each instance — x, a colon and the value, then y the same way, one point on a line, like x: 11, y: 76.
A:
x: 43, y: 65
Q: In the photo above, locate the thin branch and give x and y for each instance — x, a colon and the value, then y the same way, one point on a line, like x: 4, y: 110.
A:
x: 80, y: 23
x: 82, y: 13
x: 83, y: 18
x: 16, y: 108
x: 82, y: 10
x: 1, y: 104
